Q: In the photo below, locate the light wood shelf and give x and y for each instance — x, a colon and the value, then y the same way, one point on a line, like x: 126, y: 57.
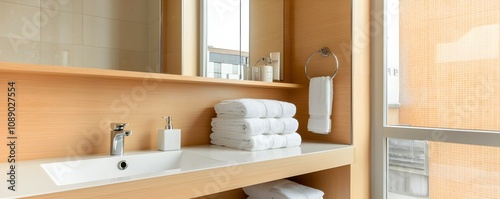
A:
x: 117, y: 74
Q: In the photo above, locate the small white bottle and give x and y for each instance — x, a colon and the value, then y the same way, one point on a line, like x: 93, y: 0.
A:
x: 65, y: 58
x: 275, y: 62
x: 266, y: 73
x: 256, y: 73
x: 169, y: 139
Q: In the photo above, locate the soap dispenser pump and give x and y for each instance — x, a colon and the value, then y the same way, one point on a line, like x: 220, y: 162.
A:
x: 169, y: 138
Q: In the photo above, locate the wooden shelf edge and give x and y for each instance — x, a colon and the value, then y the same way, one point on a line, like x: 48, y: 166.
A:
x: 116, y: 74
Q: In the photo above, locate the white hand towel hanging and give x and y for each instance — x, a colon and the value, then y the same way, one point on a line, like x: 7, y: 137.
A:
x: 320, y: 105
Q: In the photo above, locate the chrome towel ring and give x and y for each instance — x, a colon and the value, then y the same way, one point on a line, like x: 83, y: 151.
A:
x: 325, y: 52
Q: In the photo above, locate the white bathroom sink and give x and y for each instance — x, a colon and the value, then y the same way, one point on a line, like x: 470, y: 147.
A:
x: 140, y: 165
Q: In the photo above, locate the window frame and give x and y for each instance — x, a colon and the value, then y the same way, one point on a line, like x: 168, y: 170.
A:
x: 380, y: 131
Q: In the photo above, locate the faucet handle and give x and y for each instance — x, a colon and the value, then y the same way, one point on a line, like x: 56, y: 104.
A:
x: 118, y: 126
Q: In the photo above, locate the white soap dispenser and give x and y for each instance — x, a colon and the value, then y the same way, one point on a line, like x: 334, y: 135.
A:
x: 169, y: 138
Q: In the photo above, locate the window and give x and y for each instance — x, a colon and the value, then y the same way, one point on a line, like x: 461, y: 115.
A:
x: 436, y: 108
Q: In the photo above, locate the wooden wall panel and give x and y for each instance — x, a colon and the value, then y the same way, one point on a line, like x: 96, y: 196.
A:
x: 316, y: 25
x: 313, y: 26
x: 334, y: 182
x: 61, y: 116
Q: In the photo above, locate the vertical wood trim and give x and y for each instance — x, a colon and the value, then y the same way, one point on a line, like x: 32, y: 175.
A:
x: 287, y: 45
x: 172, y: 37
x: 190, y: 37
x: 360, y: 169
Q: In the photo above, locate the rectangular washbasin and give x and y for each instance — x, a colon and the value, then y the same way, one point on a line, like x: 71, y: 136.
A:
x: 119, y: 168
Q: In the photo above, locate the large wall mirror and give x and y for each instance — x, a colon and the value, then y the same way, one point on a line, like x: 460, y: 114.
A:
x: 107, y: 34
x: 165, y: 36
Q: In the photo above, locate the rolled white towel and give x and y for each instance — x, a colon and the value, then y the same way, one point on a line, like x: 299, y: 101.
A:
x: 251, y: 126
x: 254, y: 108
x: 282, y: 189
x: 292, y: 139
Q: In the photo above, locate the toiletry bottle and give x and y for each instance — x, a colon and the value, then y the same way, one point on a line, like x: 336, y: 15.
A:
x: 266, y: 71
x: 247, y: 72
x: 169, y: 138
x: 65, y: 58
x: 256, y: 73
x: 275, y: 62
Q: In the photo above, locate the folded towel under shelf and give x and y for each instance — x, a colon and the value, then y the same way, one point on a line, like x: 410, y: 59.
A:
x: 255, y: 108
x: 282, y: 189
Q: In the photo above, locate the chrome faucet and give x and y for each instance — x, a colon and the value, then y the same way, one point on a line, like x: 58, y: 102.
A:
x: 118, y: 138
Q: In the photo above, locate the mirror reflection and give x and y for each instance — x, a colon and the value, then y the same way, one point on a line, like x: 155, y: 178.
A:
x: 242, y: 39
x: 107, y: 34
x: 125, y: 35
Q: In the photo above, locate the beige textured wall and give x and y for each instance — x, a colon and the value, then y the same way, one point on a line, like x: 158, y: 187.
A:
x: 451, y: 81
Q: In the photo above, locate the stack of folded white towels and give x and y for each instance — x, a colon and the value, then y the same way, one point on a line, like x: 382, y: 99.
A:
x: 255, y: 124
x: 282, y: 189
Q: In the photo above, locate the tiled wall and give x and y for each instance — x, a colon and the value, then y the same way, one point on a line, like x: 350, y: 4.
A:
x: 110, y: 34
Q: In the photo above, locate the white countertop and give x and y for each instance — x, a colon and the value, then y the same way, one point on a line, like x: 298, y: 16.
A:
x: 32, y: 179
